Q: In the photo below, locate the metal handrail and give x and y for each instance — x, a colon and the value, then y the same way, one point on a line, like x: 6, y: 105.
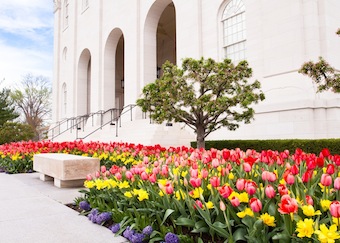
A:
x: 115, y: 119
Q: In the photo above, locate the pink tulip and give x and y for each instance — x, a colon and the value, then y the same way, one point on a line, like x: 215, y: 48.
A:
x: 165, y: 171
x: 97, y: 174
x: 250, y: 187
x: 169, y: 189
x: 144, y: 176
x: 215, y: 163
x: 89, y: 177
x: 270, y: 191
x: 128, y: 175
x: 222, y: 206
x: 334, y: 208
x: 246, y: 167
x: 198, y: 203
x: 153, y: 178
x: 204, y: 173
x: 337, y: 183
x: 290, y: 179
x: 268, y: 176
x: 255, y: 205
x: 102, y: 168
x: 215, y: 181
x: 309, y: 200
x: 240, y: 184
x: 195, y: 182
x: 194, y: 173
x: 235, y: 201
x: 118, y: 175
x: 326, y: 180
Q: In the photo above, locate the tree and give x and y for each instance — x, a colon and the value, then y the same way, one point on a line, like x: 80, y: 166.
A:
x: 15, y: 132
x: 204, y: 94
x: 324, y: 75
x: 7, y: 112
x: 33, y: 100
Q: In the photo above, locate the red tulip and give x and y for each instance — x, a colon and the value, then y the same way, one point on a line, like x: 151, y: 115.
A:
x: 294, y: 170
x: 255, y: 205
x: 326, y: 180
x: 215, y: 181
x: 330, y: 169
x: 270, y: 191
x: 288, y: 205
x: 282, y: 189
x: 307, y: 176
x: 225, y: 191
x: 334, y: 208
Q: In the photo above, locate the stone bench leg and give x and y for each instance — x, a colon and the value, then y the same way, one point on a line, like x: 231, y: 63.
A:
x: 44, y: 177
x: 68, y: 183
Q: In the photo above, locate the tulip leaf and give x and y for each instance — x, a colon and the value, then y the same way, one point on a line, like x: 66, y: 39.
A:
x: 168, y: 212
x: 239, y: 234
x: 185, y: 222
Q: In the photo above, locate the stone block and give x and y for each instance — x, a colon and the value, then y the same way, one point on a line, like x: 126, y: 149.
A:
x: 66, y: 169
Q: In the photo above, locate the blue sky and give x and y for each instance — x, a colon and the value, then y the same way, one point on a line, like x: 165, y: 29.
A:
x: 26, y: 39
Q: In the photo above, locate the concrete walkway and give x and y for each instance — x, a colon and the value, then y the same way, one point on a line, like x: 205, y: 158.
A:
x: 33, y: 211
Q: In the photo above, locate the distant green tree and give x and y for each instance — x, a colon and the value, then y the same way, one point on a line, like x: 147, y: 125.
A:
x: 204, y: 94
x: 15, y: 132
x: 323, y: 74
x: 7, y: 111
x: 33, y: 100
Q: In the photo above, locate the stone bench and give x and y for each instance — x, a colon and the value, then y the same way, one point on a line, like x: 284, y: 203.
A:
x: 67, y: 170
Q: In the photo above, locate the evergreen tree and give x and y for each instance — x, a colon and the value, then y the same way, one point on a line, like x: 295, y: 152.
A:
x: 7, y: 112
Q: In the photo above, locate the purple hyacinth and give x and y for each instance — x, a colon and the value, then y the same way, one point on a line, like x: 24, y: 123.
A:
x: 147, y: 230
x: 115, y: 228
x: 137, y: 238
x: 128, y: 233
x: 84, y: 205
x: 103, y: 217
x: 171, y: 238
x: 93, y: 215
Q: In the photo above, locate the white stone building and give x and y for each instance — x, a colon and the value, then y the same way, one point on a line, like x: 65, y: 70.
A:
x: 107, y: 50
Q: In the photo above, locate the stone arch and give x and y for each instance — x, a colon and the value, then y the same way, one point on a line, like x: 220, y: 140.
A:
x: 83, y: 88
x: 113, y: 88
x: 151, y: 28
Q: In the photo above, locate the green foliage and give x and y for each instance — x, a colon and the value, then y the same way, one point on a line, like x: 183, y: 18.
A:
x: 307, y: 145
x: 7, y: 112
x: 324, y: 75
x: 204, y: 94
x: 15, y: 132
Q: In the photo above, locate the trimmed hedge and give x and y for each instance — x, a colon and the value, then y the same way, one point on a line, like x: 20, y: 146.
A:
x: 307, y: 145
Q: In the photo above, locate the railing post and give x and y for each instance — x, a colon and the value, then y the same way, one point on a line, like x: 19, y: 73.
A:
x: 131, y: 111
x: 116, y: 127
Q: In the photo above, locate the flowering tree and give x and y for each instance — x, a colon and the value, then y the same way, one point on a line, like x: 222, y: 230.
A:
x: 325, y: 76
x: 204, y: 94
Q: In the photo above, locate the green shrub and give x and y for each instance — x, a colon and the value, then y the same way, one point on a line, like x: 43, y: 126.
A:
x: 15, y: 132
x: 307, y: 145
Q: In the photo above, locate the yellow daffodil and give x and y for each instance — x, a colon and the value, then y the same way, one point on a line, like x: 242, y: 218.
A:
x: 128, y: 194
x: 245, y: 212
x: 124, y: 184
x: 161, y: 193
x: 184, y: 173
x: 282, y: 181
x: 180, y: 195
x: 309, y: 211
x: 305, y: 228
x: 243, y: 197
x: 231, y: 176
x: 326, y: 235
x: 162, y: 181
x: 210, y: 205
x: 196, y: 192
x: 142, y: 195
x: 325, y: 204
x: 336, y: 221
x: 268, y: 219
x: 209, y: 186
x: 89, y: 184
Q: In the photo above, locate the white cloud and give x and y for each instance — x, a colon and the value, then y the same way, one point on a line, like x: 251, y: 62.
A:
x: 26, y: 37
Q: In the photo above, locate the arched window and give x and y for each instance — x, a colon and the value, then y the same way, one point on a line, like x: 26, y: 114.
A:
x: 66, y: 13
x: 234, y: 31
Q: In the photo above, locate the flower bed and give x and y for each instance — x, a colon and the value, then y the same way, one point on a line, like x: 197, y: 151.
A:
x: 152, y: 194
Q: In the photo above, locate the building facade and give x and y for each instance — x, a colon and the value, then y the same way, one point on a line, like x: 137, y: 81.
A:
x: 106, y: 51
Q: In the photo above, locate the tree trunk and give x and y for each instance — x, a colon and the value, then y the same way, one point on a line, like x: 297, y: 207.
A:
x: 200, y: 137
